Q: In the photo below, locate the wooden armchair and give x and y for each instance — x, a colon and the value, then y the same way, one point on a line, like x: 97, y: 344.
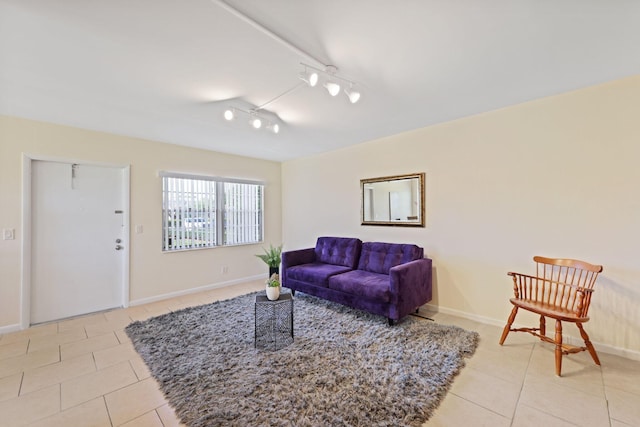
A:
x: 561, y: 290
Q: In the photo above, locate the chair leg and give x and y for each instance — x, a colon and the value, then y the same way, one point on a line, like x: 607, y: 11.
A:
x: 543, y: 326
x: 507, y: 328
x: 587, y: 343
x: 558, y: 341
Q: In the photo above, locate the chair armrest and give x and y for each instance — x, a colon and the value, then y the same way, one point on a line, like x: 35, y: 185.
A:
x: 552, y: 293
x: 410, y: 283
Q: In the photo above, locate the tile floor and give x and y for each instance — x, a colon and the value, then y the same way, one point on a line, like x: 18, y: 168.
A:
x: 84, y: 372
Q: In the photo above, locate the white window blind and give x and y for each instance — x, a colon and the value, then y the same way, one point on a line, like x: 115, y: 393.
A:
x: 204, y: 212
x: 242, y: 213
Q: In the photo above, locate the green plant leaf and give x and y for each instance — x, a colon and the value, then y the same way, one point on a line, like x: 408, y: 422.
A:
x: 271, y: 257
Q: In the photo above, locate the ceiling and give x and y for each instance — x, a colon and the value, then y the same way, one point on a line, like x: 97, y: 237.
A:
x: 166, y: 70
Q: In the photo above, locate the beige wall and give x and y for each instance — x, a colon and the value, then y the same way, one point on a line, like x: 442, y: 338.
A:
x: 557, y: 177
x: 153, y: 273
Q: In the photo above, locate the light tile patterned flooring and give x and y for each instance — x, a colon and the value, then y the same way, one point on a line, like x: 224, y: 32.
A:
x: 85, y: 372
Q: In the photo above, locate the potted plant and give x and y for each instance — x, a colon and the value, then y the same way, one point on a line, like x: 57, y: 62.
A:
x: 273, y: 287
x: 272, y: 258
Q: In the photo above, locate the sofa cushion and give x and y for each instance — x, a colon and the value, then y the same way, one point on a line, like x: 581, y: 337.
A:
x: 373, y: 286
x: 378, y: 257
x: 338, y: 251
x: 316, y: 273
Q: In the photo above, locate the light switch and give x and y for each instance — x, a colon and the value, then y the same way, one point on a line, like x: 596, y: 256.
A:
x: 8, y: 233
x: 138, y: 229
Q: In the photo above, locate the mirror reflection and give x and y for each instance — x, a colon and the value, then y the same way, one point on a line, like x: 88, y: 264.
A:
x: 393, y: 200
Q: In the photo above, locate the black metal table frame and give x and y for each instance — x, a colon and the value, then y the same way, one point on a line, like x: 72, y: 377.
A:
x: 274, y: 318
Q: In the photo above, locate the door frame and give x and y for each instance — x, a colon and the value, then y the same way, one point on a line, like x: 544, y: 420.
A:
x: 25, y: 281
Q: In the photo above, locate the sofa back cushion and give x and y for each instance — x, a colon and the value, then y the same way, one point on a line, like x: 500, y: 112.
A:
x: 378, y: 257
x: 338, y: 251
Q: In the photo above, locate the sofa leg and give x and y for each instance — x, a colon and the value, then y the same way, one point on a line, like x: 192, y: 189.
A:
x: 293, y: 292
x: 391, y: 322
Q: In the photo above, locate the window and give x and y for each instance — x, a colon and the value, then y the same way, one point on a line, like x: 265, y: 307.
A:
x: 205, y: 212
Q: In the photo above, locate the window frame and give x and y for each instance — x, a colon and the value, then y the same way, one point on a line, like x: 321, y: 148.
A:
x: 220, y: 212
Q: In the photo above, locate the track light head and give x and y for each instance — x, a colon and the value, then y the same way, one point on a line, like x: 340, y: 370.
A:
x: 274, y: 127
x: 229, y: 114
x: 255, y: 122
x: 332, y: 87
x: 309, y: 77
x: 353, y: 95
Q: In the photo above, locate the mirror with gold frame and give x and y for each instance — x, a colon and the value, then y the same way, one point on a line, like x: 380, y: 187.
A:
x: 393, y: 200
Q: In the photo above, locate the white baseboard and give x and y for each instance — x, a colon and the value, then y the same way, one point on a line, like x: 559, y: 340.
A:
x: 10, y: 328
x: 600, y: 347
x: 605, y: 348
x: 16, y: 327
x: 194, y: 290
x: 464, y: 314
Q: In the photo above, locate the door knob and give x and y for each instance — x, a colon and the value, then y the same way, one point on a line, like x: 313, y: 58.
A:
x: 119, y: 248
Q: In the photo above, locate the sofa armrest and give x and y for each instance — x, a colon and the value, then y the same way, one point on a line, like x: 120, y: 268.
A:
x: 410, y: 284
x: 297, y: 257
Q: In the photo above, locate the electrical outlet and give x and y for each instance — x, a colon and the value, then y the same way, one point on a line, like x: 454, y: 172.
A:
x: 225, y: 269
x: 8, y: 234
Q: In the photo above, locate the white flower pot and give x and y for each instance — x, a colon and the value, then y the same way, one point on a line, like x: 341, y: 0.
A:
x: 273, y: 293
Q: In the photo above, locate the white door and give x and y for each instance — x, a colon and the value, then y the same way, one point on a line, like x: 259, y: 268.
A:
x: 77, y: 220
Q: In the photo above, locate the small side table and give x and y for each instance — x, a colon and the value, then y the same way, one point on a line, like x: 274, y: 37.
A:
x: 274, y: 322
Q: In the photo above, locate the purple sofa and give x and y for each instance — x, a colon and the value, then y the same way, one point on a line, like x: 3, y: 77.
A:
x: 388, y: 279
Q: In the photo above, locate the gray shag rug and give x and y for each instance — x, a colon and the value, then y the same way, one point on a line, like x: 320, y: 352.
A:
x: 345, y: 367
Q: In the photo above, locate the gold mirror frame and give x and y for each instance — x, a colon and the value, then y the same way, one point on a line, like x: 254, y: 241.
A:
x: 393, y: 200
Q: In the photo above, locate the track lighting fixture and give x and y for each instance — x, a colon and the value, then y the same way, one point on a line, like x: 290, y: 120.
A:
x: 256, y: 121
x: 310, y: 76
x: 332, y: 82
